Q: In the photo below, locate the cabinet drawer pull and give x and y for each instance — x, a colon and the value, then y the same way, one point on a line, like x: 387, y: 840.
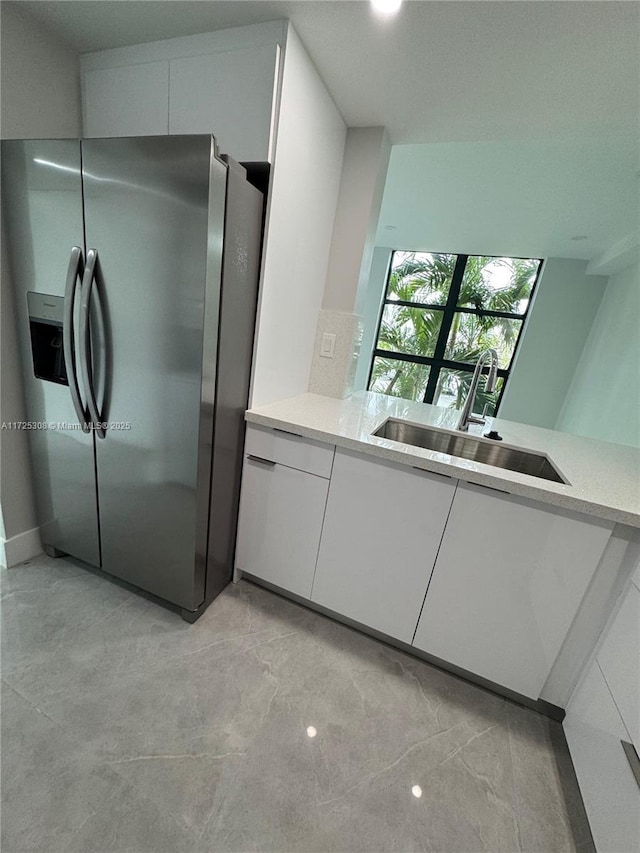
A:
x: 262, y: 461
x: 489, y: 488
x: 633, y: 759
x: 287, y: 432
x: 435, y: 473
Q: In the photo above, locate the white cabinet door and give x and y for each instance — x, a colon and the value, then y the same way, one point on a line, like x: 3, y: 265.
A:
x: 281, y: 512
x: 229, y: 95
x: 619, y: 660
x: 382, y: 529
x: 127, y: 101
x: 509, y: 579
x: 594, y: 729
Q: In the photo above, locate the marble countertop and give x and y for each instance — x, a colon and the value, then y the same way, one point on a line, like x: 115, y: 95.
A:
x: 604, y: 479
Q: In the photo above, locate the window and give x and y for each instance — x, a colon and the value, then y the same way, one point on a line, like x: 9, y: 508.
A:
x: 439, y: 313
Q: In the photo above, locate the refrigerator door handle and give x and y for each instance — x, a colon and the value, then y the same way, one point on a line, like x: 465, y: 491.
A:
x: 75, y: 271
x: 85, y: 342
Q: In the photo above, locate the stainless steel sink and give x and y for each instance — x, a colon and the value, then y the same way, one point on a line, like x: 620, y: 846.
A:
x: 482, y: 450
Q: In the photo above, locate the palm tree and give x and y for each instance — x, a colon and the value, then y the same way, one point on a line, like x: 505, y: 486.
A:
x: 416, y: 278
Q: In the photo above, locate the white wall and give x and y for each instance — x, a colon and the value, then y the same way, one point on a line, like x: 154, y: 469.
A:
x: 19, y: 539
x: 39, y: 82
x: 604, y: 397
x: 560, y: 320
x: 304, y: 191
x: 39, y: 98
x: 364, y: 171
x: 371, y: 313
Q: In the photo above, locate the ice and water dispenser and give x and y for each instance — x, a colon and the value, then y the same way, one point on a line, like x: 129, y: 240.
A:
x: 46, y: 315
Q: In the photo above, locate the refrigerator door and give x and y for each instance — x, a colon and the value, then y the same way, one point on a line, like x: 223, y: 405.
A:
x: 157, y: 231
x: 42, y: 213
x: 239, y: 296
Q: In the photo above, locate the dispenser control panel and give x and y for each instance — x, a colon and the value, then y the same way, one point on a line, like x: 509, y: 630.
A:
x: 45, y: 308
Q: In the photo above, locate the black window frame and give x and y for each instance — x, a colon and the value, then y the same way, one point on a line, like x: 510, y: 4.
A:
x: 437, y: 361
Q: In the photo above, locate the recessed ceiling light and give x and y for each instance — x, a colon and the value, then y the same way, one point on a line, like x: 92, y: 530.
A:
x: 580, y: 237
x: 416, y: 791
x: 311, y: 731
x: 386, y: 7
x: 390, y: 227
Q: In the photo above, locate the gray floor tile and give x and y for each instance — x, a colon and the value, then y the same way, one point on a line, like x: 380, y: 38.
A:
x: 128, y: 634
x: 548, y: 821
x: 40, y: 622
x: 50, y: 783
x: 38, y: 572
x: 133, y: 731
x: 126, y: 823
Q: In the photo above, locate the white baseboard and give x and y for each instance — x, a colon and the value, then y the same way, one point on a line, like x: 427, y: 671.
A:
x: 20, y: 548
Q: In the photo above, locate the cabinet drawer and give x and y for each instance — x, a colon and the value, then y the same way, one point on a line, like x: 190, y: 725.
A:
x: 594, y: 729
x: 291, y: 450
x: 619, y: 660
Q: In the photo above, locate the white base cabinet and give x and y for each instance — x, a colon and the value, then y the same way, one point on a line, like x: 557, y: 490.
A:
x: 509, y: 579
x: 382, y: 530
x: 282, y: 503
x: 619, y: 660
x: 483, y: 580
x: 594, y: 729
x: 603, y: 711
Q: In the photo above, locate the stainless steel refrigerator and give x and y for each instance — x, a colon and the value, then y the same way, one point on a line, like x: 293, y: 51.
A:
x: 135, y: 265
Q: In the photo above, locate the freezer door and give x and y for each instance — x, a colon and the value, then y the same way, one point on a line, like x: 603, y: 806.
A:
x: 42, y: 213
x: 156, y: 287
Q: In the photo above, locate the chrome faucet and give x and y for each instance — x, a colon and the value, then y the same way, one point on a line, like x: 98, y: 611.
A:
x: 466, y: 415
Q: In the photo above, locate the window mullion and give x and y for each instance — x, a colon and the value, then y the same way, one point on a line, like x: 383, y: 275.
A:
x: 381, y: 313
x: 447, y: 319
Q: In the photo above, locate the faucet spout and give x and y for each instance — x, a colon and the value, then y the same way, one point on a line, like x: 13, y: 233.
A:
x: 466, y: 414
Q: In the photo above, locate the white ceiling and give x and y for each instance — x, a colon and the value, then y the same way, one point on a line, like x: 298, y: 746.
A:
x: 438, y: 71
x: 531, y: 110
x: 516, y: 198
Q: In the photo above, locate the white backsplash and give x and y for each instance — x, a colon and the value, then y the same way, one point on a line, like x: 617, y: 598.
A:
x: 333, y: 377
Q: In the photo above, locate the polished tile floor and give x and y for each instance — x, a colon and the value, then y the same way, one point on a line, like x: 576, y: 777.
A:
x: 263, y: 727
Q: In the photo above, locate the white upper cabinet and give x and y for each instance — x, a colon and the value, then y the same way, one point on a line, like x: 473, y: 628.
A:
x: 509, y: 579
x: 224, y: 83
x: 126, y: 101
x: 229, y: 94
x: 382, y: 529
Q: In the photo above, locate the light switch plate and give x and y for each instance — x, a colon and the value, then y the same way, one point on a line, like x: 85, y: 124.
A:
x: 327, y: 345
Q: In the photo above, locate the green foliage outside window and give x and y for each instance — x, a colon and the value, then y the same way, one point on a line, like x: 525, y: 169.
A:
x: 426, y: 281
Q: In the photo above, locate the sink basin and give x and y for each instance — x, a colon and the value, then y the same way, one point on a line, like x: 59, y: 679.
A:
x: 487, y: 451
